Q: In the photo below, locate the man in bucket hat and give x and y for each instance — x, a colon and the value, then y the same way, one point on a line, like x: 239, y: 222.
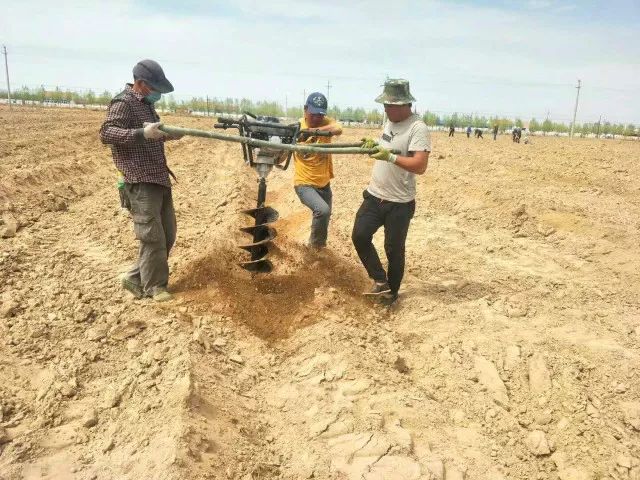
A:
x: 389, y: 200
x: 137, y: 146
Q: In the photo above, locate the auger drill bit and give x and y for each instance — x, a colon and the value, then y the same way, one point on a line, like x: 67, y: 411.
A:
x: 261, y: 232
x: 266, y: 144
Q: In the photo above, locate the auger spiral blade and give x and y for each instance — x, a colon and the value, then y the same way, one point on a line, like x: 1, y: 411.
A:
x: 261, y: 233
x: 262, y: 265
x: 261, y: 236
x: 262, y: 214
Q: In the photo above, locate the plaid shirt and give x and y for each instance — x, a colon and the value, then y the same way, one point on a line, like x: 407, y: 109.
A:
x: 140, y: 160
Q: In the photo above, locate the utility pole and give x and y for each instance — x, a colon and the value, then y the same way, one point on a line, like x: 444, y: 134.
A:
x: 6, y: 69
x: 575, y: 110
x: 599, y: 120
x: 328, y: 88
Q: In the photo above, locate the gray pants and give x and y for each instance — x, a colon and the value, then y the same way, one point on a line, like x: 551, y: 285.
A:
x: 319, y: 201
x: 154, y: 223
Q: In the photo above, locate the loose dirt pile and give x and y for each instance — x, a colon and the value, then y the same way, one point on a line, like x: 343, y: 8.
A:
x: 513, y: 353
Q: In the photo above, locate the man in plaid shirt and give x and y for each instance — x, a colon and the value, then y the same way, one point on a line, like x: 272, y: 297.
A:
x: 137, y: 145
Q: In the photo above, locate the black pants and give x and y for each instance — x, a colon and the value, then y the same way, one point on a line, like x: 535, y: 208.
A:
x: 395, y: 217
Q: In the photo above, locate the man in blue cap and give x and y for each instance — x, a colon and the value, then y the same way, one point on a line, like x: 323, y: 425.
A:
x: 314, y: 171
x: 137, y: 146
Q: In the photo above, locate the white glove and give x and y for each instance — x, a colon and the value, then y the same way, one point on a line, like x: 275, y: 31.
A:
x: 152, y: 132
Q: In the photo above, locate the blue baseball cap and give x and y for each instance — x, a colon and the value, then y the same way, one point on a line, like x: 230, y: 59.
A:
x: 316, y: 103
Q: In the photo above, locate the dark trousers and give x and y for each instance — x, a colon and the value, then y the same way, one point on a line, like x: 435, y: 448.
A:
x: 154, y: 223
x: 395, y: 217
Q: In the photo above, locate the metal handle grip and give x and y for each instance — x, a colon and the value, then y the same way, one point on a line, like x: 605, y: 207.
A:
x: 311, y: 132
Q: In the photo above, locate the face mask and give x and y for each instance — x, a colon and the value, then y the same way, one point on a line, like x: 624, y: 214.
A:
x: 153, y: 97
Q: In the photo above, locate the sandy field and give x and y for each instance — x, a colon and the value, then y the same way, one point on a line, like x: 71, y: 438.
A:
x: 513, y: 352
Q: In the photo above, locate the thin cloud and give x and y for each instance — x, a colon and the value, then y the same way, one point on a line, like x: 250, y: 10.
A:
x: 462, y: 56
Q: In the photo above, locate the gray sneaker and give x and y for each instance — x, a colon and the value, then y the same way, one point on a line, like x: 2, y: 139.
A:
x: 388, y: 299
x: 378, y: 289
x: 131, y: 286
x: 160, y: 294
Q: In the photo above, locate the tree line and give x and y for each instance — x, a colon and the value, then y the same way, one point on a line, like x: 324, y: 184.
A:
x: 214, y: 105
x: 476, y: 121
x: 211, y: 105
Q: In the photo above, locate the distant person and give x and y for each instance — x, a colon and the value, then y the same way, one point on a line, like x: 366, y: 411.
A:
x: 469, y: 131
x: 495, y: 131
x: 137, y: 145
x: 478, y: 133
x: 452, y: 130
x: 516, y: 134
x: 526, y: 140
x: 389, y: 200
x: 314, y: 171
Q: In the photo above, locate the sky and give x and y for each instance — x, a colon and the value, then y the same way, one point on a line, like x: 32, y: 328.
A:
x: 513, y: 58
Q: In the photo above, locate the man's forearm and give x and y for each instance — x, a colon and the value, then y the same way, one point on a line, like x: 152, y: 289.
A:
x: 335, y: 130
x: 415, y: 164
x: 113, y: 135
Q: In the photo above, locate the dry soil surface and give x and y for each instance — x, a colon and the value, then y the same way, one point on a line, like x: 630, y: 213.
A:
x: 512, y: 354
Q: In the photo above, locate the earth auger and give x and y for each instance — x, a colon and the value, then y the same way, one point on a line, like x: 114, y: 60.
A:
x: 267, y: 143
x: 263, y: 160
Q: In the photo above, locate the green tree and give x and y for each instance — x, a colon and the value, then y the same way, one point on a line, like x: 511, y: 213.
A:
x: 104, y: 98
x: 374, y: 116
x: 430, y: 118
x: 57, y: 95
x: 534, y: 126
x: 630, y: 130
x: 171, y: 104
x: 294, y: 112
x: 24, y: 94
x: 618, y: 129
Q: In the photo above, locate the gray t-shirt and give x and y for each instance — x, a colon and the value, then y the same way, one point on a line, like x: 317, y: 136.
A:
x: 388, y: 181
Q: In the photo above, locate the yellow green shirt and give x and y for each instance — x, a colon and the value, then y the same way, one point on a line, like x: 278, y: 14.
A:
x: 314, y: 169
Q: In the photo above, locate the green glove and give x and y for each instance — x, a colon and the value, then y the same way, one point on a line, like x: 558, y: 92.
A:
x: 368, y: 143
x: 384, y: 155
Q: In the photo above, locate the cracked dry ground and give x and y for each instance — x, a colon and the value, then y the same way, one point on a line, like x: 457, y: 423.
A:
x: 513, y: 353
